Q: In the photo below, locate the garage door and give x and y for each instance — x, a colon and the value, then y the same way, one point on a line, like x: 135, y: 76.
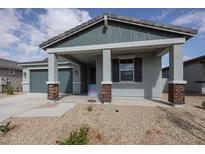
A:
x: 38, y: 79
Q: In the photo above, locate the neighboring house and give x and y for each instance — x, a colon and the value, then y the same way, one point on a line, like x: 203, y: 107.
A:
x: 10, y: 74
x: 121, y: 55
x: 194, y: 74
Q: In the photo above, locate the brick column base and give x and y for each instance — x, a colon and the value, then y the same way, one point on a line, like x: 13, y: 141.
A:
x: 106, y: 92
x: 53, y: 91
x: 176, y: 93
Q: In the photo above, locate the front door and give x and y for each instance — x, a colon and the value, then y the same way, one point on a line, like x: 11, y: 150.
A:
x: 92, y: 75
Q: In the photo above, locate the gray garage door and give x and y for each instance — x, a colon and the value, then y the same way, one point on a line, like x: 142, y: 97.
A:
x: 38, y: 79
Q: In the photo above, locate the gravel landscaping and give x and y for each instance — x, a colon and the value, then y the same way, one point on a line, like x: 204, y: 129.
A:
x: 116, y: 124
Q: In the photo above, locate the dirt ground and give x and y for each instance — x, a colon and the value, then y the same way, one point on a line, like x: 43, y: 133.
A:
x: 117, y: 124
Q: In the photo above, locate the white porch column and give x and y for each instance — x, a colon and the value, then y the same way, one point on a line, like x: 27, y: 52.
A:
x: 107, y: 65
x: 52, y: 68
x: 107, y: 81
x: 53, y: 83
x: 176, y: 82
x: 176, y: 63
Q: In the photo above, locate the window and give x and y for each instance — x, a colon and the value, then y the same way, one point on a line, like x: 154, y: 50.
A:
x: 11, y: 72
x: 126, y: 69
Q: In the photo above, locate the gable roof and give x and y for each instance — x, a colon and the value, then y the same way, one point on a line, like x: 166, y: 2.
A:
x: 9, y: 64
x: 188, y: 32
x: 200, y: 59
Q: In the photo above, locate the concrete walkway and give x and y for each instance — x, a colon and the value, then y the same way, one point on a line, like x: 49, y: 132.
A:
x: 13, y: 105
x: 55, y: 110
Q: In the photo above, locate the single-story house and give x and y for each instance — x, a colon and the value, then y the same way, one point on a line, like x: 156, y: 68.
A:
x: 121, y: 55
x: 194, y: 74
x: 10, y: 74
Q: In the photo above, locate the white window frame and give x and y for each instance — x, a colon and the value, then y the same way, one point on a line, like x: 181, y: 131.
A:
x: 120, y: 70
x: 11, y: 72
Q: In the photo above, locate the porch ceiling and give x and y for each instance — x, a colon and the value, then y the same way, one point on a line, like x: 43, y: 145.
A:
x: 89, y: 57
x: 87, y: 54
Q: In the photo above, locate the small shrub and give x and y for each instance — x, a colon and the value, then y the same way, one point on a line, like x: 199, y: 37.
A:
x: 89, y: 108
x: 9, y: 90
x: 5, y: 128
x: 203, y: 104
x: 77, y: 137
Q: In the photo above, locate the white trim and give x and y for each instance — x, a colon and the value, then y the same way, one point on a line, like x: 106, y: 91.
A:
x: 45, y: 68
x: 24, y: 82
x: 163, y: 52
x: 99, y: 47
x: 177, y: 82
x: 106, y: 82
x: 127, y: 57
x: 105, y: 21
x: 153, y: 27
x: 52, y: 82
x: 36, y: 64
x: 72, y: 33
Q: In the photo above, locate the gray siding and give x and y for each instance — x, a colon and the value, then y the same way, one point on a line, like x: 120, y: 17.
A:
x: 116, y: 32
x: 192, y: 73
x: 15, y: 79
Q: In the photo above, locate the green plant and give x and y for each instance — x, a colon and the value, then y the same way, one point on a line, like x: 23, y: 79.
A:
x: 5, y: 128
x: 9, y: 90
x: 77, y: 137
x: 89, y: 108
x: 203, y: 104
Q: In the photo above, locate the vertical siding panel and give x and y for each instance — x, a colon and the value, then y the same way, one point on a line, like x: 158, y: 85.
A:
x: 139, y: 34
x: 116, y: 32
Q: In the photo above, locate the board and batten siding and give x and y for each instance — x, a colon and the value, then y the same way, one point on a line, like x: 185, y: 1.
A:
x: 115, y: 33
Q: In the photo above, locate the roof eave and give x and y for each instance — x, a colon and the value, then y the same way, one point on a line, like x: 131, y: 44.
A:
x: 189, y: 33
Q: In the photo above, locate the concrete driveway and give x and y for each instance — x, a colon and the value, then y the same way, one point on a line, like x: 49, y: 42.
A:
x: 13, y: 105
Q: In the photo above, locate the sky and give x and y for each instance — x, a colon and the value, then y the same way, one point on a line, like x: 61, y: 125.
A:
x: 22, y: 30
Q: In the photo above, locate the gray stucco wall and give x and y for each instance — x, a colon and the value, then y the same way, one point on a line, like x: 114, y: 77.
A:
x: 116, y: 32
x: 193, y: 73
x: 151, y: 85
x: 15, y: 79
x: 99, y: 74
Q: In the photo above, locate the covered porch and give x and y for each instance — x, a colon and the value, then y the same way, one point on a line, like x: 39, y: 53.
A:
x: 138, y: 73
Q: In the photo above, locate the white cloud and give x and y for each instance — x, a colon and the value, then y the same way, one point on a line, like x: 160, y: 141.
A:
x: 4, y: 54
x: 10, y: 23
x: 24, y: 36
x: 56, y: 21
x: 163, y: 15
x: 6, y: 39
x: 195, y: 18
